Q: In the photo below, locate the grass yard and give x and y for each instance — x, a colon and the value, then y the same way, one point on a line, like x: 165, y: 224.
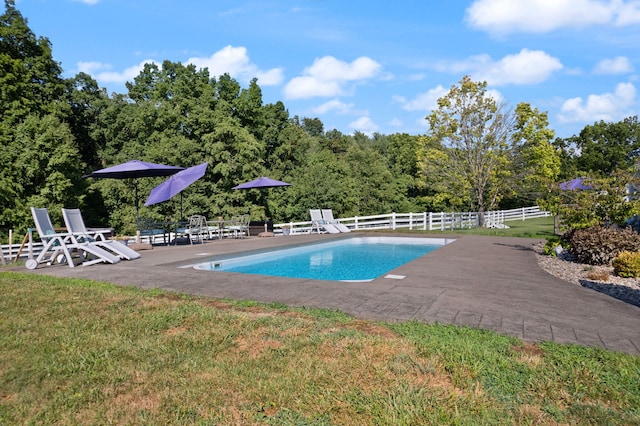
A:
x: 80, y: 352
x: 541, y: 227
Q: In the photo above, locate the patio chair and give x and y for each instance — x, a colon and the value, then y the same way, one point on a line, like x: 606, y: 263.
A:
x: 75, y: 224
x: 59, y: 247
x: 196, y: 229
x: 318, y: 222
x: 240, y: 226
x: 327, y: 215
x: 148, y: 228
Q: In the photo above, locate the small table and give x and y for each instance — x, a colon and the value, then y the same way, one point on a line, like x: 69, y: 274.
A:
x: 220, y: 225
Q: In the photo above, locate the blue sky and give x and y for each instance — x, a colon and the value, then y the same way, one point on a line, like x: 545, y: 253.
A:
x: 366, y: 65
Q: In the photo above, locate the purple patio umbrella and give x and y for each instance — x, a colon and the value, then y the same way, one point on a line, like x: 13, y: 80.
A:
x: 135, y: 169
x: 262, y: 183
x: 574, y: 184
x: 175, y: 184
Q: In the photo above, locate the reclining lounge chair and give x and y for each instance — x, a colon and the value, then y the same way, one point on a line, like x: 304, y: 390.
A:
x: 59, y: 247
x: 75, y: 225
x: 318, y: 222
x: 327, y: 215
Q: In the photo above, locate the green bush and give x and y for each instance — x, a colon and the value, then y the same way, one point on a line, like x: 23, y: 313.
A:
x: 599, y: 245
x: 627, y: 264
x: 551, y: 244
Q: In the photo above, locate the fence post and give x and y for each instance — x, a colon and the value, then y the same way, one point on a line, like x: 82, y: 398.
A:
x: 393, y: 221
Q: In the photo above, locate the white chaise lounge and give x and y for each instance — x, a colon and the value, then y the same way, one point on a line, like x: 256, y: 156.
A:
x: 327, y: 215
x: 75, y: 225
x: 318, y: 223
x: 59, y: 247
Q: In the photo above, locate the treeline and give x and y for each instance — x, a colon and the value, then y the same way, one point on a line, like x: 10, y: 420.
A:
x: 53, y: 131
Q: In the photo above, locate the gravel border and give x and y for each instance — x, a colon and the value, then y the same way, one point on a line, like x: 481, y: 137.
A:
x: 598, y: 278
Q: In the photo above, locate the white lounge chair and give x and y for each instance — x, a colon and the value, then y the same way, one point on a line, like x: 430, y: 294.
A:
x: 327, y: 215
x: 318, y: 222
x: 58, y: 247
x: 75, y: 225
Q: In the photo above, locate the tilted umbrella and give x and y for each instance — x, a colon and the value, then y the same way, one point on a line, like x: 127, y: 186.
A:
x: 134, y: 169
x: 574, y: 184
x: 262, y: 183
x: 175, y: 184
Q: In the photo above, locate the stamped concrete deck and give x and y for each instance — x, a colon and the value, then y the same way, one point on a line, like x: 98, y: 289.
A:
x: 487, y: 282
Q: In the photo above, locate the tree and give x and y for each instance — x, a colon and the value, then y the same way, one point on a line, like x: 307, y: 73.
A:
x: 535, y: 161
x: 475, y: 133
x: 605, y: 147
x: 30, y: 79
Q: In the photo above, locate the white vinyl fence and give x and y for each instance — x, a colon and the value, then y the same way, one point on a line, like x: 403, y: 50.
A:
x: 427, y: 221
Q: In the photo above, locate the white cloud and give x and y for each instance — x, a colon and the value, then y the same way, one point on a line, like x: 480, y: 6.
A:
x: 101, y: 72
x: 524, y: 67
x: 364, y: 125
x: 89, y: 2
x: 333, y: 105
x: 236, y: 62
x: 396, y: 122
x: 328, y: 76
x: 617, y: 65
x: 232, y: 60
x: 540, y: 16
x: 427, y: 101
x: 608, y: 106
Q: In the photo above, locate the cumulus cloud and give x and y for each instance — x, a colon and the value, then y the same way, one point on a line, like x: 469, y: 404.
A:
x: 541, y: 16
x: 607, y: 106
x: 524, y: 67
x: 236, y: 62
x: 617, y: 65
x: 364, y: 125
x: 334, y: 105
x: 426, y: 101
x: 232, y: 60
x: 102, y: 72
x: 328, y: 76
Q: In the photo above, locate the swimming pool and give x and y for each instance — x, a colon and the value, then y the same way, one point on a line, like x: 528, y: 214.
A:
x: 348, y: 259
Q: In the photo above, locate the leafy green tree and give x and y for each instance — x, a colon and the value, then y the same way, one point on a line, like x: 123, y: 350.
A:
x: 475, y: 132
x: 610, y: 201
x: 605, y: 147
x: 47, y: 163
x: 30, y: 79
x: 535, y: 161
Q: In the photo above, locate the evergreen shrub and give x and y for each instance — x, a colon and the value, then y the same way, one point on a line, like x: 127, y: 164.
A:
x: 627, y: 264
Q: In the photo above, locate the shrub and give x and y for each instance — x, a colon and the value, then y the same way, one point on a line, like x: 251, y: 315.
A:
x: 599, y: 245
x: 551, y: 244
x: 627, y: 264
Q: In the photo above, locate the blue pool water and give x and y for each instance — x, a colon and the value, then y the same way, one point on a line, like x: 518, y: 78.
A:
x: 351, y: 259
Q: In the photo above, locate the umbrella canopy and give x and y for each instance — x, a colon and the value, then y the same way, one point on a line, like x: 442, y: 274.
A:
x: 135, y: 169
x: 574, y: 184
x: 261, y: 182
x: 175, y: 184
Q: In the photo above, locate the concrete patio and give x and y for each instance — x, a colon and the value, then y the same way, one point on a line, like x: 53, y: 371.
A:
x: 493, y: 283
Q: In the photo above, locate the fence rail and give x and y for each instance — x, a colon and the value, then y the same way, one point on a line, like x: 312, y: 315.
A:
x: 426, y: 221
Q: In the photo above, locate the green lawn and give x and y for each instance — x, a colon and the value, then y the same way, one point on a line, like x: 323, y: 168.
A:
x: 80, y: 352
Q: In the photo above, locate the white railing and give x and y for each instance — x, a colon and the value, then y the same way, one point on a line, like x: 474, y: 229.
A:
x: 427, y: 221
